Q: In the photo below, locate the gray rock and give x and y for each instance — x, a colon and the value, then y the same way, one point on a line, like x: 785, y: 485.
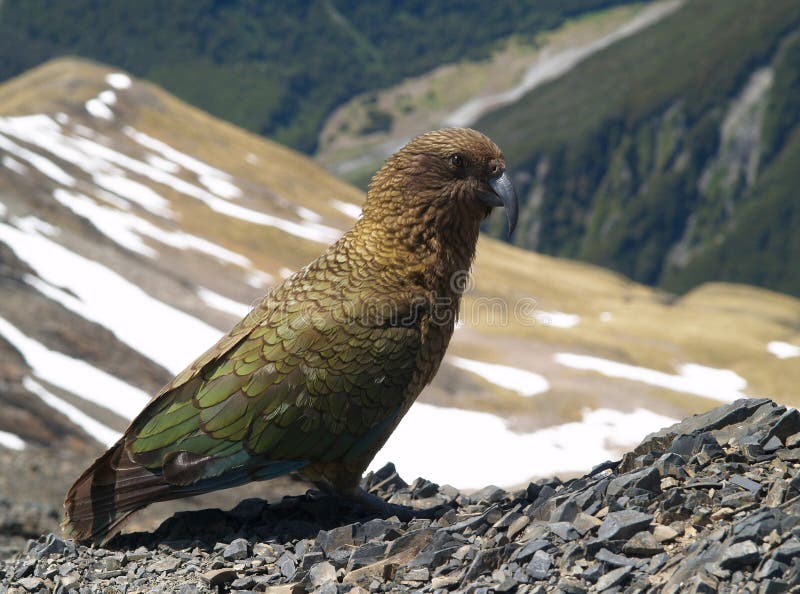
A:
x: 419, y: 574
x: 564, y: 530
x: 374, y: 529
x: 539, y: 565
x: 647, y: 479
x: 613, y: 578
x: 31, y: 584
x: 331, y: 540
x: 565, y: 512
x: 787, y: 551
x: 167, y: 564
x: 623, y: 524
x: 367, y: 554
x: 614, y: 559
x: 54, y: 545
x: 571, y: 585
x: 321, y: 573
x: 788, y: 424
x: 527, y: 551
x: 642, y: 544
x: 585, y: 523
x: 739, y: 554
x: 769, y: 569
x: 243, y: 583
x: 287, y: 566
x: 485, y: 561
x: 703, y: 584
x: 311, y: 558
x: 772, y: 444
x: 489, y: 494
x: 745, y: 483
x: 238, y: 549
x: 218, y: 577
x: 773, y: 587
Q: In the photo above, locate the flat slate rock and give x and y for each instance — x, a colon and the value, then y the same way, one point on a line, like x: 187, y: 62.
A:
x: 710, y: 504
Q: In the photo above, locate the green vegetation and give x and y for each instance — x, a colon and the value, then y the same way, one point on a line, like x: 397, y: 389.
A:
x: 630, y: 166
x: 277, y: 68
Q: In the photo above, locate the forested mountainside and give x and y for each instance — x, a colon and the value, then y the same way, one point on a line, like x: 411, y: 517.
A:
x: 275, y: 68
x: 672, y: 156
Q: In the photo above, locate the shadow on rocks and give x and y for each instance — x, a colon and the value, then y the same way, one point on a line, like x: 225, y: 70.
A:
x: 294, y: 517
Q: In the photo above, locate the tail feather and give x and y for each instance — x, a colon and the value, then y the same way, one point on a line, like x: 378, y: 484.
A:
x: 115, y: 487
x: 108, y: 493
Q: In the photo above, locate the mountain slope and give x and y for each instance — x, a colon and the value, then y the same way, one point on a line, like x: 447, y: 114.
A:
x: 135, y: 229
x: 363, y: 131
x: 276, y: 68
x: 669, y: 155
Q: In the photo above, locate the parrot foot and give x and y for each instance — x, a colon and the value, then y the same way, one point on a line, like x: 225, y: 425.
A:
x: 404, y: 513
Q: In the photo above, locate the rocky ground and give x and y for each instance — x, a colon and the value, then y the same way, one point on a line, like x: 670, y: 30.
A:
x: 711, y: 504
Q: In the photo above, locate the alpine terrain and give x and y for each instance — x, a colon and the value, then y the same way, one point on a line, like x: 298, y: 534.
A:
x: 135, y: 230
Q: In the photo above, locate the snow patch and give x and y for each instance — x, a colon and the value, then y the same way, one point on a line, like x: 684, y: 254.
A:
x: 73, y: 375
x: 108, y: 97
x: 98, y: 109
x: 84, y: 131
x: 135, y: 192
x: 159, y: 331
x: 220, y: 187
x: 556, y: 319
x: 31, y: 224
x: 14, y: 165
x: 43, y: 165
x: 118, y: 80
x: 62, y: 118
x: 163, y: 164
x: 102, y: 163
x: 223, y: 303
x: 606, y: 316
x: 216, y: 180
x: 720, y: 384
x: 99, y: 431
x: 172, y: 154
x: 783, y: 350
x: 525, y: 383
x: 259, y: 279
x: 11, y: 441
x: 347, y: 208
x: 307, y: 214
x: 469, y: 444
x: 311, y: 231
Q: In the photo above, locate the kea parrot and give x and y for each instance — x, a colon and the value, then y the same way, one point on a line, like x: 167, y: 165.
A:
x: 317, y: 376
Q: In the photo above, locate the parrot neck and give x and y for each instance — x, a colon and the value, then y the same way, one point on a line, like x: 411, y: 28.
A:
x: 431, y: 243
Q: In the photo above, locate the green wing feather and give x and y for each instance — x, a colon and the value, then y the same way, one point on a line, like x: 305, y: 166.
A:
x: 285, y: 385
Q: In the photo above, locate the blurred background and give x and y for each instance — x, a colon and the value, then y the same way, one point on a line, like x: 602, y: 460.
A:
x: 163, y: 164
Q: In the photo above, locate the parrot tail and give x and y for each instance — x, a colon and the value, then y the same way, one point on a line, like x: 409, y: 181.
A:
x: 116, y: 486
x: 108, y: 493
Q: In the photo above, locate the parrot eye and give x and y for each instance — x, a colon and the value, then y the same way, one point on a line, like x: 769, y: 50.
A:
x: 457, y: 161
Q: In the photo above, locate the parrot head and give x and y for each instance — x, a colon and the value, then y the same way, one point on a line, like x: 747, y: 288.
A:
x: 456, y: 173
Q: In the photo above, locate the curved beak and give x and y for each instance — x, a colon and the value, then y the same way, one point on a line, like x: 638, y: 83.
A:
x: 505, y: 196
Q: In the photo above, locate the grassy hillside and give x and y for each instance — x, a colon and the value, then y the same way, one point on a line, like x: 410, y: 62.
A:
x: 670, y: 156
x: 275, y: 68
